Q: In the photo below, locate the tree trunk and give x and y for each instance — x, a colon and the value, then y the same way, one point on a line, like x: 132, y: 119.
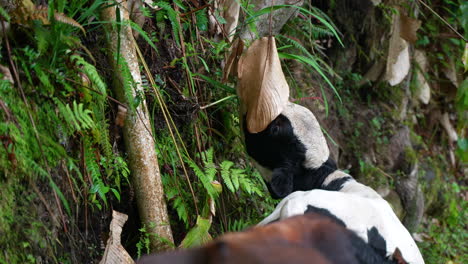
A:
x: 137, y: 132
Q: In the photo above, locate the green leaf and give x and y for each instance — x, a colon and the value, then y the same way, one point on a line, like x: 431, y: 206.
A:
x: 314, y: 64
x: 215, y: 83
x: 60, y: 195
x: 202, y: 20
x: 116, y: 193
x: 198, y: 235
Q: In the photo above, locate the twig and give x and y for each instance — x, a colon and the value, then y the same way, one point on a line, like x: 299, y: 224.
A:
x: 270, y: 30
x: 93, y: 90
x: 195, y: 10
x: 217, y: 102
x: 43, y: 200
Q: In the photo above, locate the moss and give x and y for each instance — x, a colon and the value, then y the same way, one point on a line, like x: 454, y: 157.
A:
x: 395, y: 202
x: 432, y: 184
x: 373, y: 176
x: 22, y: 236
x: 411, y: 157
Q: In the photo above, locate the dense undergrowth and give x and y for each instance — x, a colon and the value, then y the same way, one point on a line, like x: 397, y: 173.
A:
x: 63, y: 163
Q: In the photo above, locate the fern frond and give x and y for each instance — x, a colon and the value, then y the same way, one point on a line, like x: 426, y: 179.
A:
x: 94, y: 170
x: 83, y: 115
x: 5, y: 14
x: 226, y: 174
x: 319, y: 32
x: 42, y: 13
x: 91, y: 72
x: 181, y: 209
x: 296, y: 44
x: 172, y: 16
x: 236, y: 174
x: 44, y: 79
x: 205, y: 177
x: 68, y: 116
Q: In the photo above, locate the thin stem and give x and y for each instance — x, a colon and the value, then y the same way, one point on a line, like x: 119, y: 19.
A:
x: 443, y: 20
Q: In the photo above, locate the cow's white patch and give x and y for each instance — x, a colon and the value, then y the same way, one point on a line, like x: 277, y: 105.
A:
x: 359, y: 211
x: 308, y: 131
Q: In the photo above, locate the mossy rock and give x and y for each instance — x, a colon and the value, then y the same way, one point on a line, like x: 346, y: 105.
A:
x: 430, y: 178
x: 395, y: 202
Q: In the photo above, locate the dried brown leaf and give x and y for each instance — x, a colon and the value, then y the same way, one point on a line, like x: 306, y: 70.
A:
x: 5, y: 71
x: 115, y: 252
x: 121, y: 116
x: 408, y: 28
x: 398, y: 61
x: 262, y: 85
x: 231, y: 15
x: 230, y: 69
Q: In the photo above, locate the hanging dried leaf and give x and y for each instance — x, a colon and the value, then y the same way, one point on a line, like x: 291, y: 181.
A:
x: 262, y: 86
x: 5, y: 71
x: 408, y: 28
x: 230, y: 69
x: 229, y: 10
x: 398, y: 60
x: 115, y: 252
x: 447, y: 125
x: 231, y: 15
x: 121, y: 116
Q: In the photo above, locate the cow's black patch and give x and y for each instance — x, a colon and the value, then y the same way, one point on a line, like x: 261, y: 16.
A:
x: 376, y: 241
x: 278, y: 149
x: 374, y: 251
x: 325, y: 212
x: 365, y: 253
x: 336, y: 184
x: 353, y: 249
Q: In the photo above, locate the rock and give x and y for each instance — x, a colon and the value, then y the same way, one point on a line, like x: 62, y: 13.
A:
x: 278, y: 18
x: 395, y: 202
x: 412, y: 198
x: 450, y: 72
x: 431, y: 180
x: 423, y: 90
x: 394, y: 155
x: 400, y: 159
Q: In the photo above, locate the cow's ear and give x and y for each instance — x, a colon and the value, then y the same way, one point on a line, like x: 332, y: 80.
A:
x: 281, y: 183
x: 398, y: 257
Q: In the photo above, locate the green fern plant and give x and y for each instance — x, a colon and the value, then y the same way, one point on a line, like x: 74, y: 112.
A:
x: 236, y: 179
x: 79, y: 118
x: 171, y: 15
x: 207, y: 174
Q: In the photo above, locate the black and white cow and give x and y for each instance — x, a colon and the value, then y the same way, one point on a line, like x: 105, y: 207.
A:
x: 315, y: 237
x: 293, y: 157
